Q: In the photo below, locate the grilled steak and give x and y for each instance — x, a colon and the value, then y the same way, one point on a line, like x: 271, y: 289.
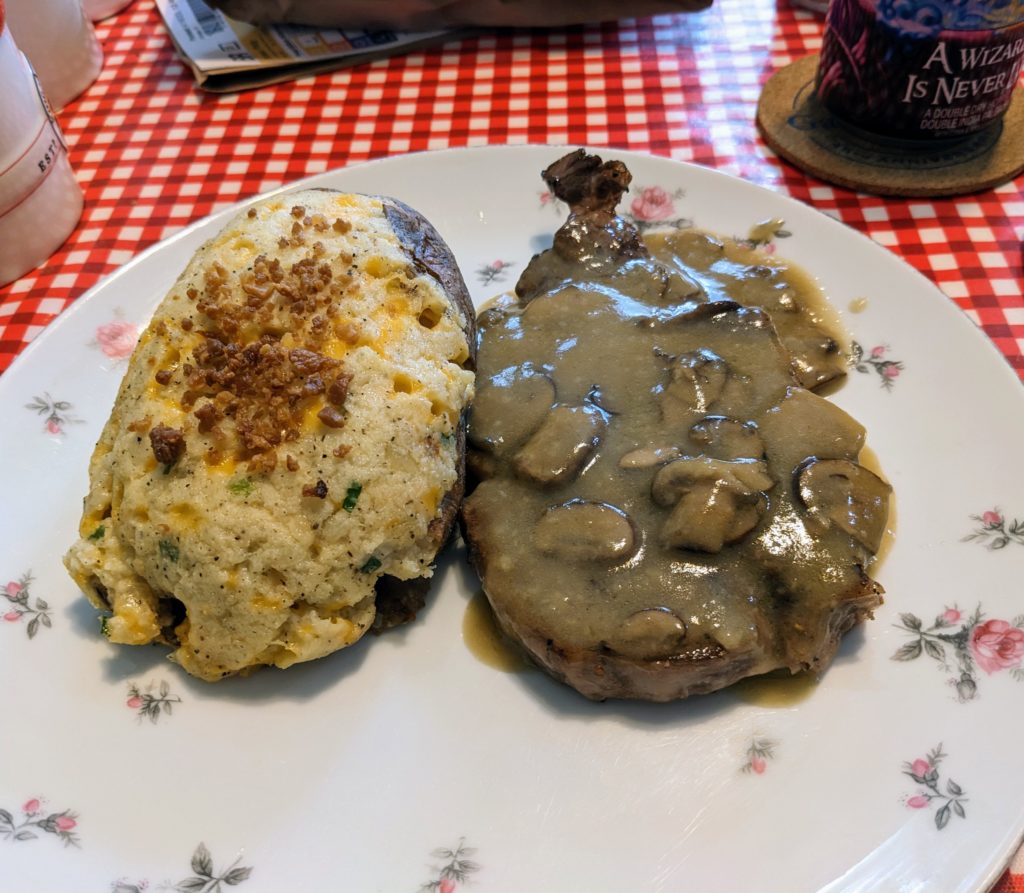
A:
x: 660, y: 508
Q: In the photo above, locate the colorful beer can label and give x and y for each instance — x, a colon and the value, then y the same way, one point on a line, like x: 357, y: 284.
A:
x: 921, y: 70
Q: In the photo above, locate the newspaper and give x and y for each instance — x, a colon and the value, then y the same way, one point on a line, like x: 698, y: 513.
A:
x: 226, y: 55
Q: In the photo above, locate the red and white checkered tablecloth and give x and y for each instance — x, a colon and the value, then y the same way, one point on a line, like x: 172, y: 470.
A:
x: 153, y: 153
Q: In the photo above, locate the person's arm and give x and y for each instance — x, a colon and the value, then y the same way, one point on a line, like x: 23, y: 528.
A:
x: 427, y: 15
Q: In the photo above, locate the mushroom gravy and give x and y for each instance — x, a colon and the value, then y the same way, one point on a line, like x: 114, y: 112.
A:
x: 656, y: 483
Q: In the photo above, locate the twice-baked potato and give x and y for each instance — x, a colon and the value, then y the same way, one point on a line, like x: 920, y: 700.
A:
x: 285, y: 455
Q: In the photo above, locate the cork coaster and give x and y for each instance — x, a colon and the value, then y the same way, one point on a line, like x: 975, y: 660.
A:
x: 806, y: 134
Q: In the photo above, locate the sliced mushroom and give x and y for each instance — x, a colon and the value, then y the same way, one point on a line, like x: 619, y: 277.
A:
x: 816, y: 356
x: 648, y: 457
x: 716, y: 502
x: 724, y: 438
x: 696, y: 381
x: 804, y: 424
x: 509, y: 408
x: 580, y: 530
x: 561, y: 446
x: 651, y: 634
x: 844, y: 494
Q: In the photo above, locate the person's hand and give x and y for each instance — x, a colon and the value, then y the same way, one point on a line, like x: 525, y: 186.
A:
x: 429, y: 15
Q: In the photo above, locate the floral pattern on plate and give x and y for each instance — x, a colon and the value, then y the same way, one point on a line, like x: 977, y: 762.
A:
x: 991, y: 645
x: 651, y: 207
x: 760, y: 751
x: 204, y: 879
x: 875, y: 361
x: 994, y: 531
x: 455, y: 870
x: 925, y: 772
x: 495, y: 271
x: 35, y: 819
x: 655, y: 208
x: 56, y: 413
x: 117, y: 338
x: 151, y: 702
x: 763, y: 235
x: 20, y: 603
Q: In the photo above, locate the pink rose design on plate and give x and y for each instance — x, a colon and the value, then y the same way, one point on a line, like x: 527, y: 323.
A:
x: 653, y: 203
x: 950, y: 796
x: 117, y: 339
x: 876, y: 360
x: 996, y: 531
x: 997, y: 646
x: 35, y: 822
x: 760, y: 751
x: 978, y: 644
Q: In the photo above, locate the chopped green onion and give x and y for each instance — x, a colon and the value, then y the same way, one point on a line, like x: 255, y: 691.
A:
x: 169, y: 550
x: 372, y: 563
x: 352, y: 496
x: 97, y: 534
x: 104, y: 629
x: 241, y: 487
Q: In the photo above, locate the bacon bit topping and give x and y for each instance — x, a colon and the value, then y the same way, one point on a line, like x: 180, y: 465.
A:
x: 262, y: 463
x: 257, y: 293
x: 341, y: 450
x: 314, y: 385
x: 262, y: 386
x: 186, y: 325
x: 331, y: 417
x: 298, y: 211
x: 251, y: 214
x: 282, y: 242
x: 347, y: 332
x: 319, y: 223
x: 192, y: 294
x: 291, y: 462
x: 168, y: 444
x: 140, y: 426
x: 307, y: 361
x: 341, y: 226
x: 338, y: 391
x: 319, y: 490
x: 163, y: 376
x: 208, y: 417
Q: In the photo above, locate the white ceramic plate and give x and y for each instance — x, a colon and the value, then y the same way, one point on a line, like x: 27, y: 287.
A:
x: 405, y: 763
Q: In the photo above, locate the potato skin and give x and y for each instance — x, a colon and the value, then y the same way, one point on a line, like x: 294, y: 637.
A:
x: 288, y: 434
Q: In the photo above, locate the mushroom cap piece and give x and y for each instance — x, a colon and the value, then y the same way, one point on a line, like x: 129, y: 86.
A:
x: 846, y: 495
x: 580, y: 530
x: 716, y: 502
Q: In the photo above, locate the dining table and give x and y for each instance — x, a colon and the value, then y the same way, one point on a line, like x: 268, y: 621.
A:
x: 154, y: 153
